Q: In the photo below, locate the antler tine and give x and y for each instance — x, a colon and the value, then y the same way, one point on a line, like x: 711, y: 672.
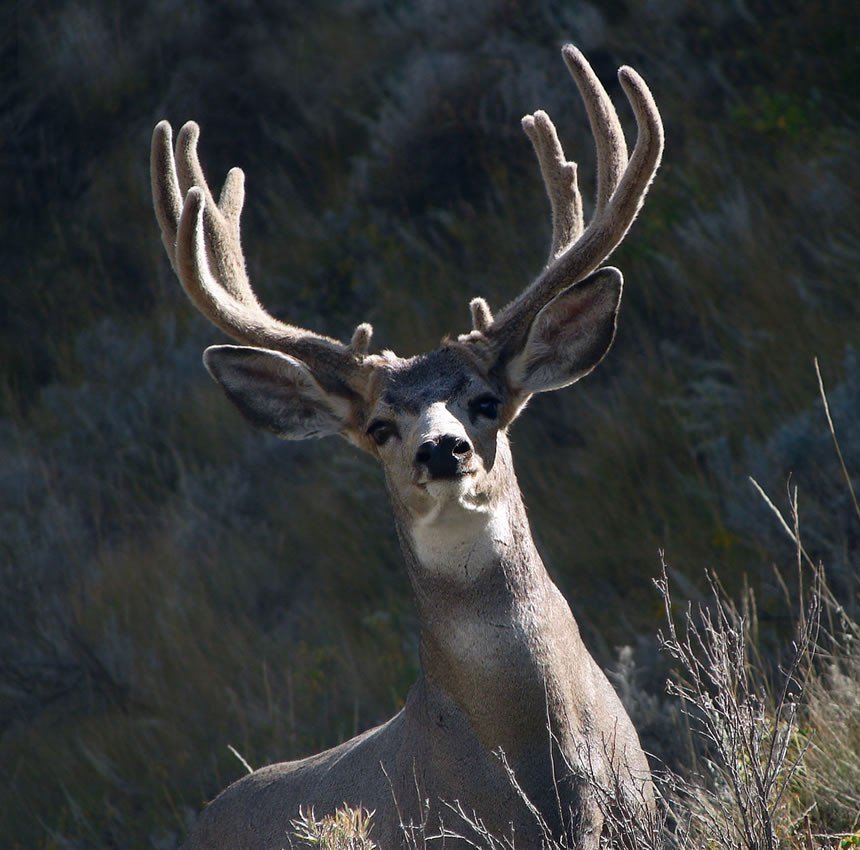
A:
x: 605, y: 126
x: 221, y: 220
x: 559, y: 177
x: 166, y: 196
x: 203, y: 243
x: 482, y: 316
x: 622, y: 186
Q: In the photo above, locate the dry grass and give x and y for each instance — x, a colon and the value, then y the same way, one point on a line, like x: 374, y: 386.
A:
x: 346, y: 829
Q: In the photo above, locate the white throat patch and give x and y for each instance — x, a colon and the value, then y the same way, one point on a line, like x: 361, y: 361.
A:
x: 461, y: 542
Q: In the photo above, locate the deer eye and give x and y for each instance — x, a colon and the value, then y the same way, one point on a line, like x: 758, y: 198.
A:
x: 381, y: 430
x: 486, y: 406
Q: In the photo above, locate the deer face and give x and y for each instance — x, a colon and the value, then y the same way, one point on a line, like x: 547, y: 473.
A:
x: 435, y: 423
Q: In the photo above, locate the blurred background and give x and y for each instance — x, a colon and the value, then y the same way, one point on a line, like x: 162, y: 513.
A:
x: 173, y: 583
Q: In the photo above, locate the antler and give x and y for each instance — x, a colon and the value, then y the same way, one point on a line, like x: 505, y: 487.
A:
x: 202, y: 241
x: 621, y: 189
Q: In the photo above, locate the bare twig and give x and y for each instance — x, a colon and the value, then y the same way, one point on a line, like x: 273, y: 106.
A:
x: 789, y: 530
x: 750, y: 731
x: 835, y: 441
x: 241, y: 758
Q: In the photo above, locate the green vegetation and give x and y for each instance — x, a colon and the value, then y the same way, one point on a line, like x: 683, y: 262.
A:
x: 172, y: 583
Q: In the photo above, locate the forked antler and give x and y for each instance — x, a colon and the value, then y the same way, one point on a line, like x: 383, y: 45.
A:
x: 621, y: 188
x: 203, y: 243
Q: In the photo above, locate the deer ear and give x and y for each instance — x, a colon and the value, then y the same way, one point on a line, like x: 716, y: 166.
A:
x: 569, y: 336
x: 276, y: 392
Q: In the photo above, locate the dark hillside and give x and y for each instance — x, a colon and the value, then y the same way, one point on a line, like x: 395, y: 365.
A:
x: 172, y: 583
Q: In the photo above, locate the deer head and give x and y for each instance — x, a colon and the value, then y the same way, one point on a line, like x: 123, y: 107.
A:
x: 436, y: 422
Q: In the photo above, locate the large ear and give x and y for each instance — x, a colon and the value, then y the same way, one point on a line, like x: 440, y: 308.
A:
x: 276, y: 392
x: 569, y: 336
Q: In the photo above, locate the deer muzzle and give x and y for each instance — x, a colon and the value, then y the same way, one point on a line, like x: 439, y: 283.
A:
x: 447, y: 456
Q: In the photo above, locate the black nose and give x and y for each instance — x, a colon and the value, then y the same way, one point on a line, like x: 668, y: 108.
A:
x: 443, y: 456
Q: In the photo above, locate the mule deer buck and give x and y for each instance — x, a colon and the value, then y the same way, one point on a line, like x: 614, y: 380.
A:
x: 507, y: 686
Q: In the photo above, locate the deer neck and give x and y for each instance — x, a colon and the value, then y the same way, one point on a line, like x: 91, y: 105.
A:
x: 496, y: 634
